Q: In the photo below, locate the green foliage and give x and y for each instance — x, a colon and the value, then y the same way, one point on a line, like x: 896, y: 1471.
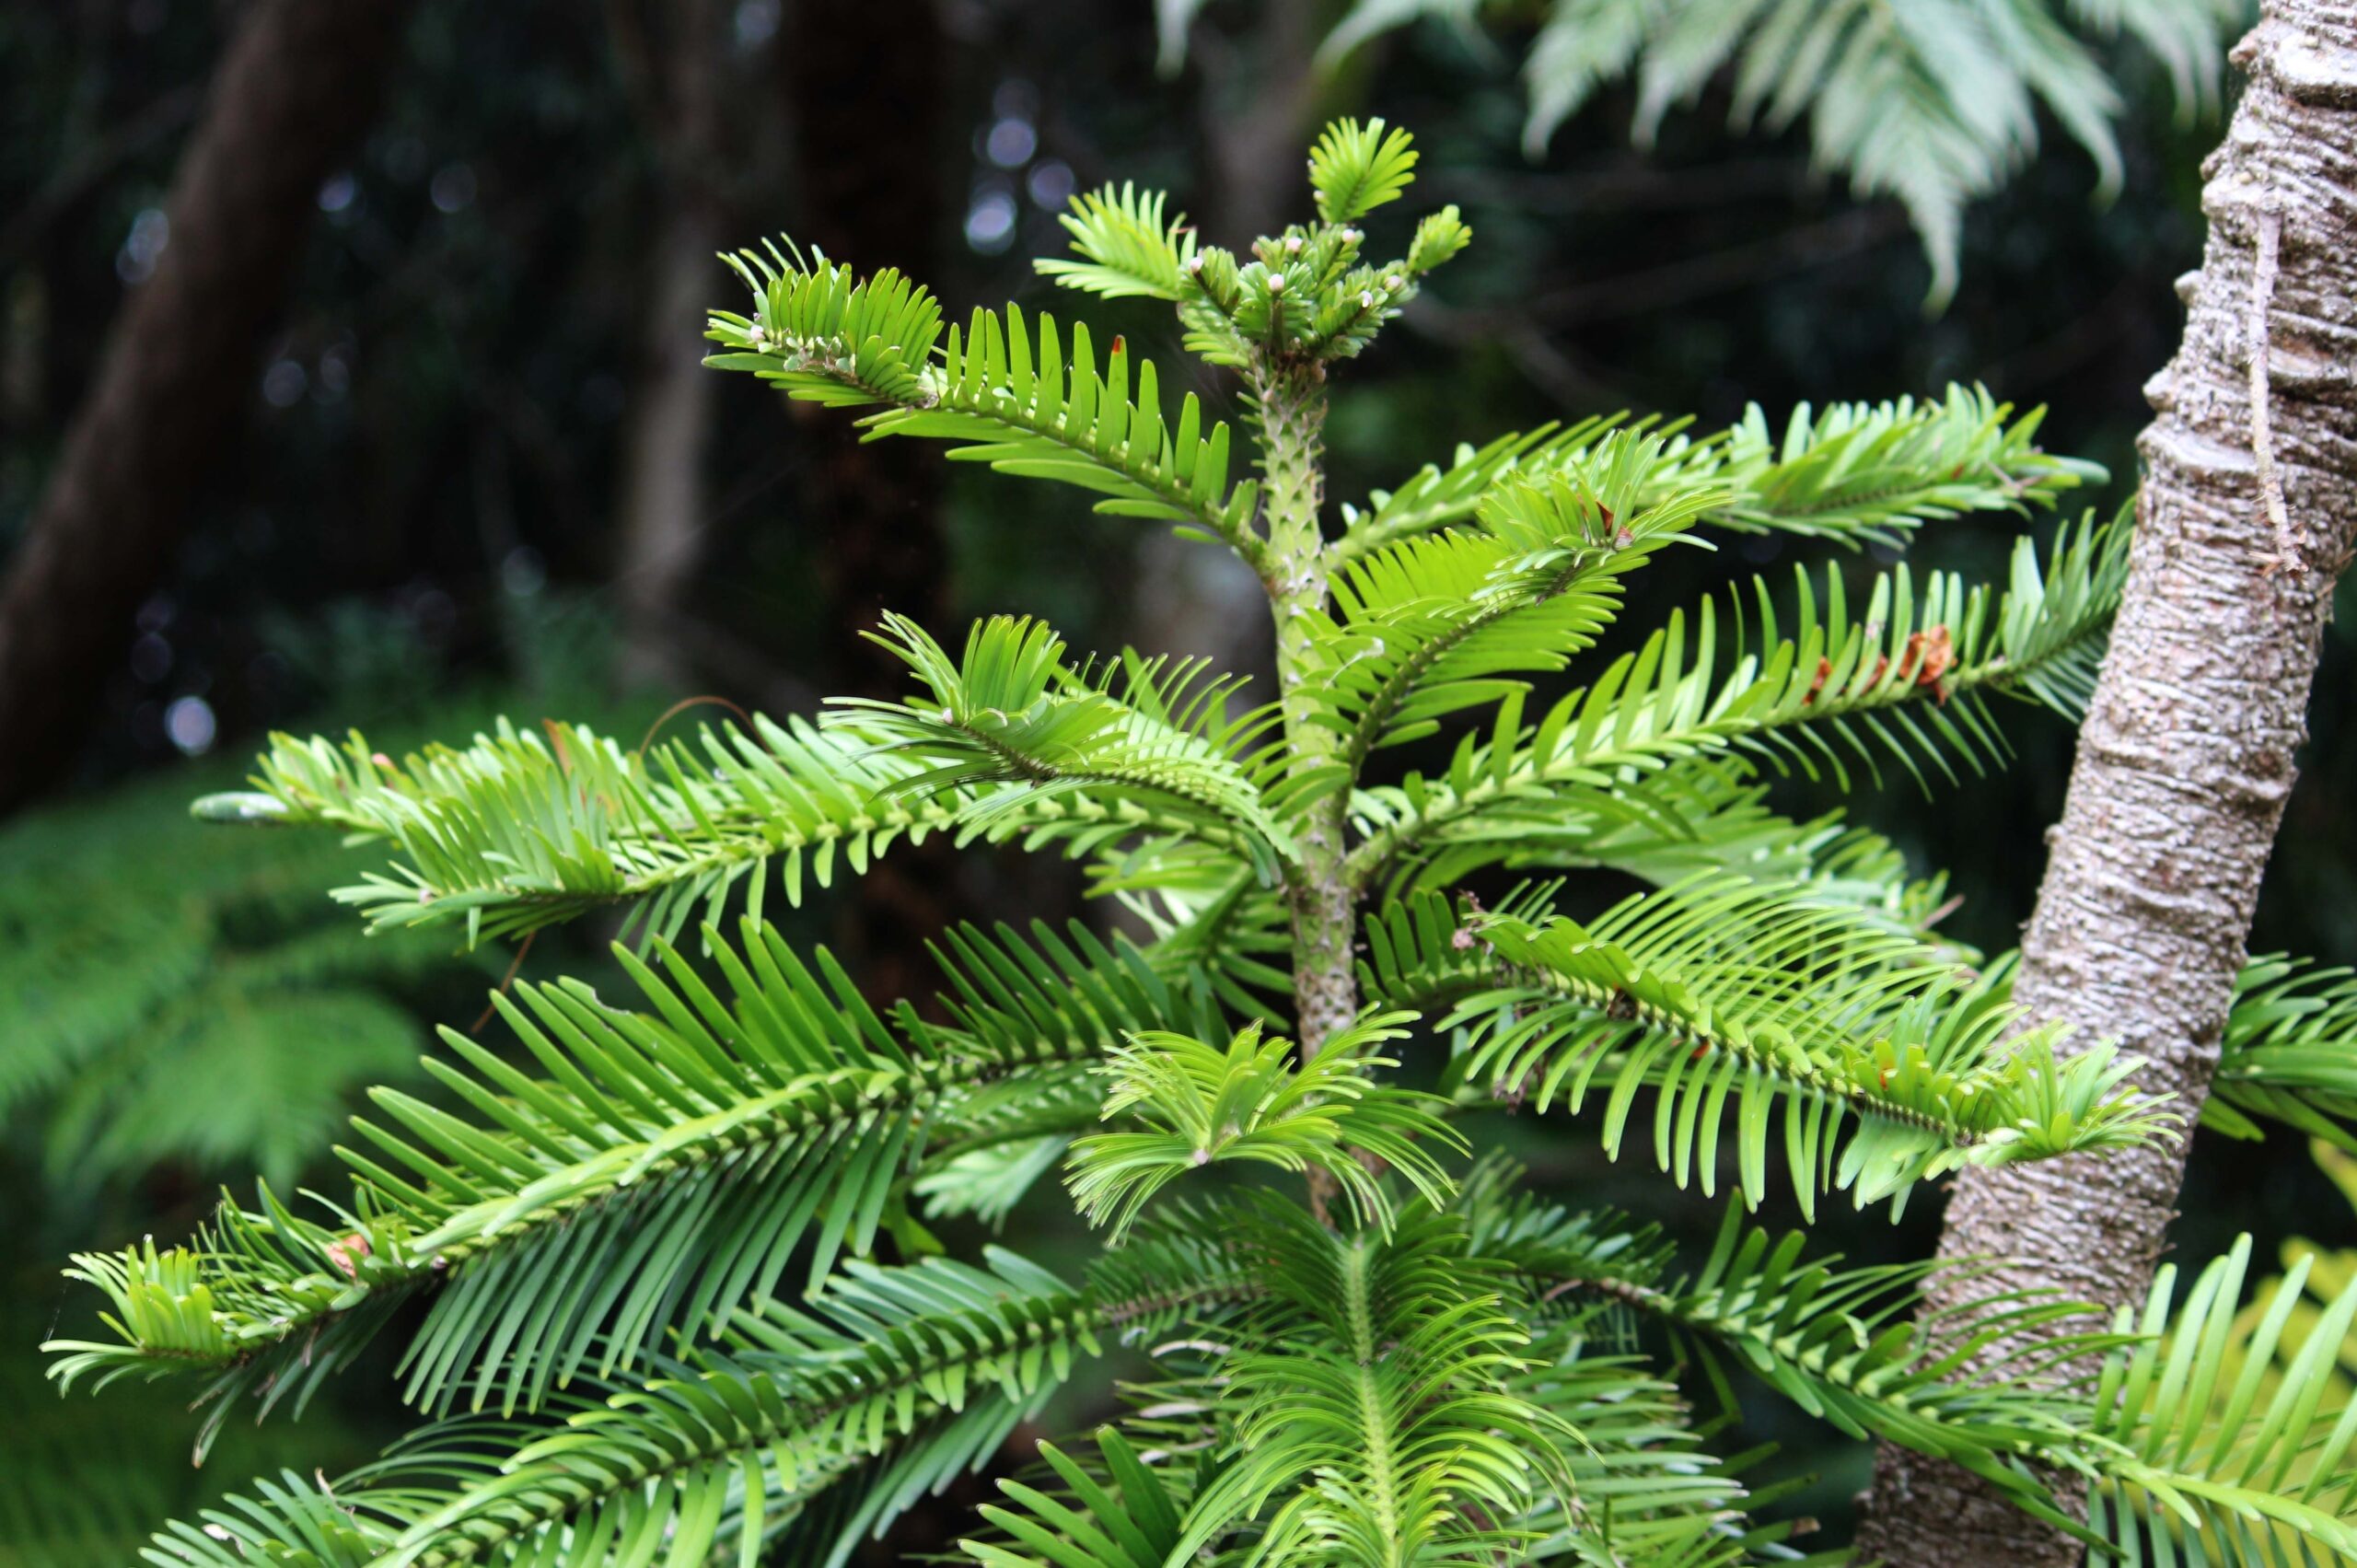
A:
x: 166, y: 994
x: 717, y: 1137
x: 639, y: 1256
x: 87, y: 1481
x: 1378, y: 1401
x: 2227, y: 1459
x: 1011, y: 711
x: 1855, y: 474
x: 1197, y: 1105
x: 1935, y: 102
x: 1026, y: 408
x: 1125, y: 246
x: 1840, y: 690
x: 2286, y: 1056
x: 1729, y: 999
x: 1356, y: 169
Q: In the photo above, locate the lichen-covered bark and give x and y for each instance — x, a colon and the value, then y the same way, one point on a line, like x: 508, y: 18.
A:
x: 2186, y: 755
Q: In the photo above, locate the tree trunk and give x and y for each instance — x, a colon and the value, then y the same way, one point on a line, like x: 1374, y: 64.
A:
x: 866, y: 83
x: 1253, y: 114
x: 2186, y: 758
x: 294, y: 91
x: 675, y: 67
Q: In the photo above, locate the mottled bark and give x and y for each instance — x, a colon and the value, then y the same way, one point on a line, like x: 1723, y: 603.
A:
x: 2186, y: 758
x: 296, y: 88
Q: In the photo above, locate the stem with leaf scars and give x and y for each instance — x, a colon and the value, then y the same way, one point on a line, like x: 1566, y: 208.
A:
x: 1325, y: 989
x: 1291, y: 406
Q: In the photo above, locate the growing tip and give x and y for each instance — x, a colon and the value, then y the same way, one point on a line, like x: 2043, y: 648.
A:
x: 241, y: 808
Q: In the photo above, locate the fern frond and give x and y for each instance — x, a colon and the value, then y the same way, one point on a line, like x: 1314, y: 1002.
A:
x: 173, y: 1007
x: 1927, y: 100
x: 1862, y: 682
x: 1728, y: 997
x: 667, y: 1169
x: 1019, y: 403
x: 1200, y: 1105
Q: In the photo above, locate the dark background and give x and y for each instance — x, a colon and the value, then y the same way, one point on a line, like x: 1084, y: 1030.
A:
x: 474, y: 469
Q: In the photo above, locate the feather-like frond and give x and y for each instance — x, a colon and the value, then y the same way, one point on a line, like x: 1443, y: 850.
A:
x: 1932, y: 101
x: 1853, y: 475
x: 1200, y: 1105
x: 1020, y: 403
x: 884, y: 1360
x: 1908, y: 680
x: 2239, y: 1444
x: 1010, y: 711
x: 667, y: 1168
x: 1732, y: 1000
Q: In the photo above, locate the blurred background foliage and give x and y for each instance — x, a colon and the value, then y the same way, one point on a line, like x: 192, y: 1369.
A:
x: 475, y: 470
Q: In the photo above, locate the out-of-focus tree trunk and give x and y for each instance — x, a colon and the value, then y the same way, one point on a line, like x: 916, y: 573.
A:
x: 2187, y: 756
x: 1257, y: 93
x: 673, y: 67
x: 298, y: 85
x: 865, y: 83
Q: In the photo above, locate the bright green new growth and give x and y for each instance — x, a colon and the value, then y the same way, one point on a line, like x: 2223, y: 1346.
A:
x: 642, y: 1244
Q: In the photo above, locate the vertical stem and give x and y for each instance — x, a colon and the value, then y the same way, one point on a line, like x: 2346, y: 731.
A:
x: 1291, y: 405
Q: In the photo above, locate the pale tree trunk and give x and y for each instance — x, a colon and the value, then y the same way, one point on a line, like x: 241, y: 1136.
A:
x: 2186, y: 758
x: 674, y: 71
x: 295, y: 89
x: 663, y: 445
